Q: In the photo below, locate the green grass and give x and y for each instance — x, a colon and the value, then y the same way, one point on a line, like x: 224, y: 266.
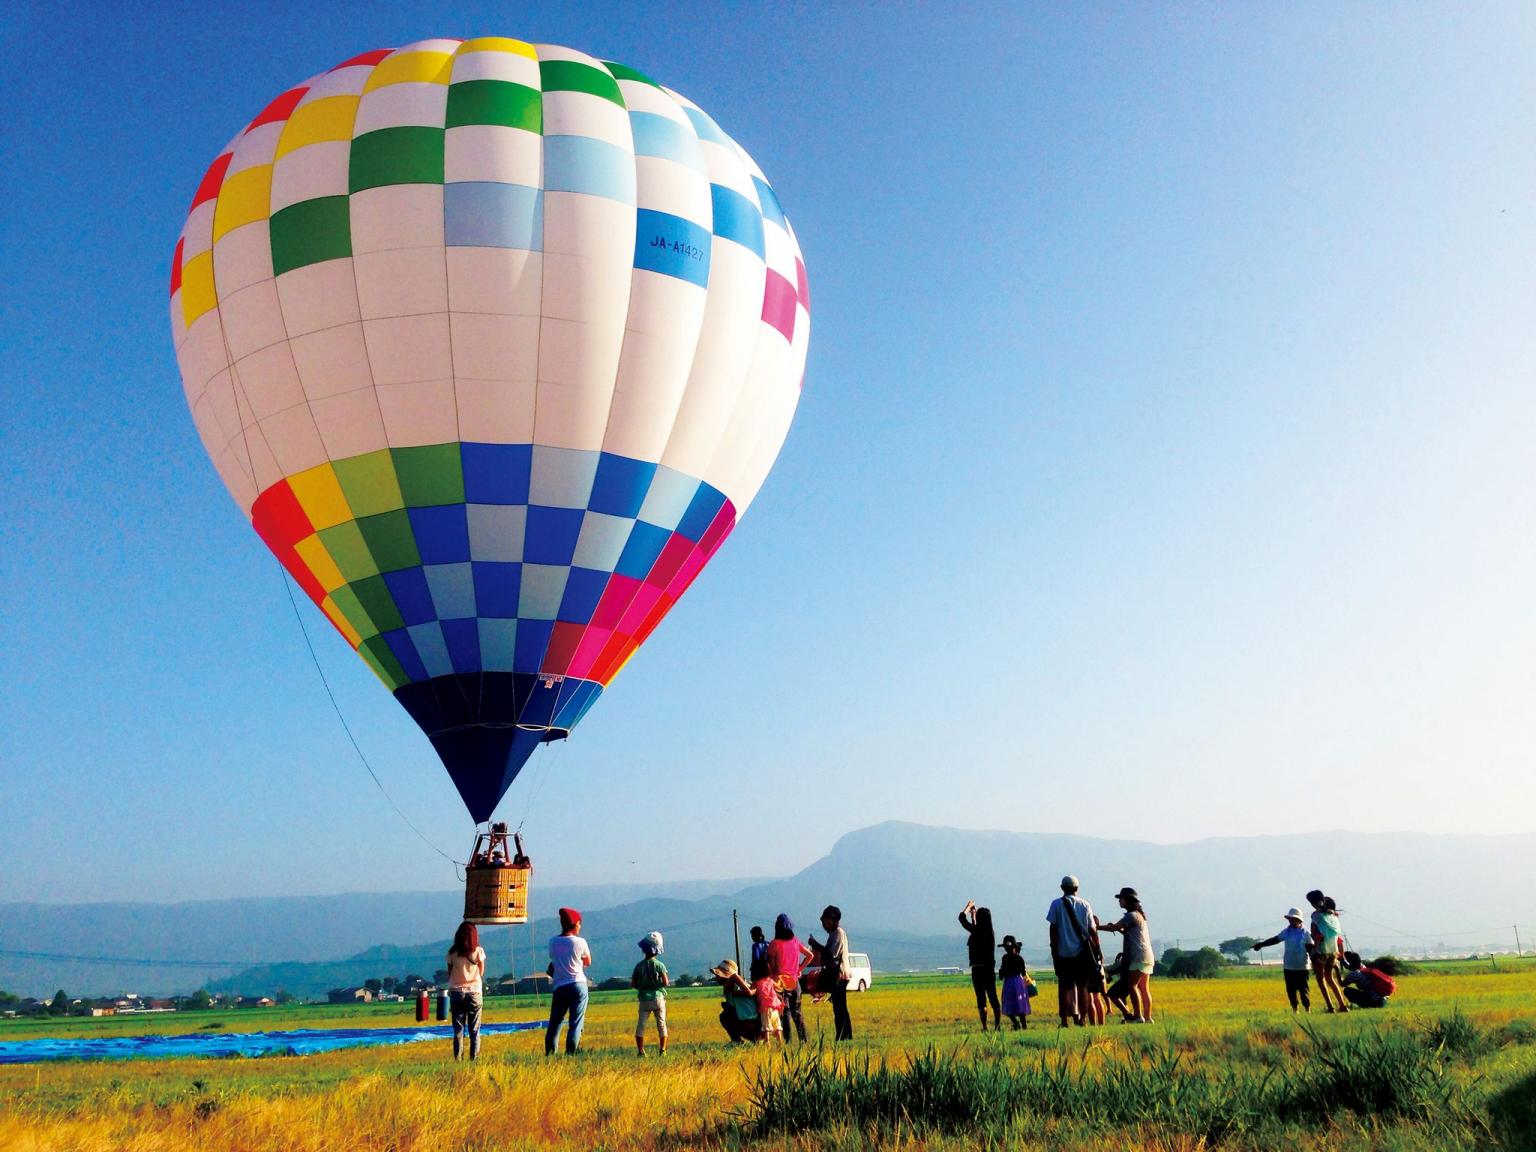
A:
x: 1451, y: 1065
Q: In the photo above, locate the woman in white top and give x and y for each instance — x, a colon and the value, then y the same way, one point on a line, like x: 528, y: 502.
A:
x: 466, y: 987
x: 1131, y: 993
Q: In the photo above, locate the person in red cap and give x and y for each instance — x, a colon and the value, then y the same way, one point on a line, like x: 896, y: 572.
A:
x: 569, y: 959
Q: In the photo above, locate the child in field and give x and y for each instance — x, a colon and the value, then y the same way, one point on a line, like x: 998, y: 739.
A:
x: 1015, y: 983
x: 1296, y: 940
x: 766, y: 991
x: 651, y: 981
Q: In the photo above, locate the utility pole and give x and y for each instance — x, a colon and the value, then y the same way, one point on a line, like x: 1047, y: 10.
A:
x: 1518, y: 951
x: 736, y: 932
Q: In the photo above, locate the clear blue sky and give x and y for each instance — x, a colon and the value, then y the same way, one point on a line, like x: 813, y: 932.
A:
x: 1164, y: 466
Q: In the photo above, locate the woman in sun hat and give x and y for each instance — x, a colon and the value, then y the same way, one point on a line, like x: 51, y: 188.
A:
x: 1296, y: 939
x: 738, y: 1011
x: 1131, y: 993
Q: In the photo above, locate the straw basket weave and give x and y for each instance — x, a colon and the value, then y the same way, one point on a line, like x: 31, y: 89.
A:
x: 496, y: 894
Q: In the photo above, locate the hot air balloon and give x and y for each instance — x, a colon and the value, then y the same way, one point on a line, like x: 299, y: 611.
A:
x: 494, y: 343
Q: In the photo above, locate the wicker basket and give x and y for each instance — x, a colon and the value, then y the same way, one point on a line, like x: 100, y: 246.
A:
x: 496, y: 894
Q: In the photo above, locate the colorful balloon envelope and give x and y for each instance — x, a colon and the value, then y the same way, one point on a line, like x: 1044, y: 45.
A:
x: 494, y: 343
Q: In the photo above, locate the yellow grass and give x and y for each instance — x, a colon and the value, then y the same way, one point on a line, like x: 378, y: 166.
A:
x: 412, y: 1097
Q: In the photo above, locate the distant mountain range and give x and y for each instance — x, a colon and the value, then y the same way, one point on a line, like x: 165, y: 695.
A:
x: 248, y: 931
x: 900, y: 887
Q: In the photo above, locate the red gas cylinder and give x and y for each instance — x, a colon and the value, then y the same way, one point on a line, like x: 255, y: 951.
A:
x: 422, y: 1006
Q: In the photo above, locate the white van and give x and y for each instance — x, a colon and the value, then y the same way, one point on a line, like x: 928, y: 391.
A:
x: 860, y: 975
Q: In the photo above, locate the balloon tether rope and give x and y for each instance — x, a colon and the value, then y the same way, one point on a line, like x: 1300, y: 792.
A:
x: 347, y: 728
x: 236, y: 386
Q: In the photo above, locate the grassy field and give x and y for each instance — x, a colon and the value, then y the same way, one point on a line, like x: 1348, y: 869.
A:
x: 1452, y: 1064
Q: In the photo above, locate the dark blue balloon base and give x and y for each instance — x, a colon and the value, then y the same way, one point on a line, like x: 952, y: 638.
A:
x: 485, y: 725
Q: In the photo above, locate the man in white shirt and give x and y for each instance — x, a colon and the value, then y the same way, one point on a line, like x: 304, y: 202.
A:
x: 837, y: 966
x: 1074, y: 951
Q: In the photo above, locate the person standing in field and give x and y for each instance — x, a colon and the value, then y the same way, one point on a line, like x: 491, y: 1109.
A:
x: 569, y: 959
x: 1015, y: 983
x: 1074, y: 953
x: 1327, y: 950
x: 1131, y: 992
x: 757, y: 968
x: 651, y: 981
x: 466, y: 988
x: 981, y: 944
x: 1294, y: 960
x: 786, y: 957
x: 835, y: 974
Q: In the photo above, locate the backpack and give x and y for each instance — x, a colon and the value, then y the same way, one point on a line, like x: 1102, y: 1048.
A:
x: 1384, y: 984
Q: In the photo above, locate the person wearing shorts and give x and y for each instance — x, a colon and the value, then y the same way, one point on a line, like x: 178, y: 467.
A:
x: 1132, y: 993
x: 650, y: 981
x: 1074, y: 954
x: 1327, y: 947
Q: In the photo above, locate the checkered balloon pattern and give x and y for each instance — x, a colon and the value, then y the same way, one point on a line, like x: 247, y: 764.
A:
x: 494, y: 343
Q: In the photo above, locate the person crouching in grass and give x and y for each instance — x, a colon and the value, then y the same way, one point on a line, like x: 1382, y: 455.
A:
x: 651, y: 981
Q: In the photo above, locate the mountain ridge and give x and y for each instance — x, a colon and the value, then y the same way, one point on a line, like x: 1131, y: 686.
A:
x: 899, y: 883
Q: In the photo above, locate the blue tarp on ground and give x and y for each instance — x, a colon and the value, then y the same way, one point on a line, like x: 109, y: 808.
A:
x: 204, y: 1045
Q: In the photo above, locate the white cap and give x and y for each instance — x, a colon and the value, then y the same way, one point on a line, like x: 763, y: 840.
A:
x: 1068, y: 882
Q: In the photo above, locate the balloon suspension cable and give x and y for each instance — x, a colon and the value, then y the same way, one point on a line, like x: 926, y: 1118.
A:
x: 347, y: 728
x: 542, y: 771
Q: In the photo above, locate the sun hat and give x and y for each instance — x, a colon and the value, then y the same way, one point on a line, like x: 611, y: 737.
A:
x: 1068, y: 882
x: 725, y: 969
x: 650, y: 943
x: 1293, y: 914
x: 1008, y: 942
x: 1128, y: 893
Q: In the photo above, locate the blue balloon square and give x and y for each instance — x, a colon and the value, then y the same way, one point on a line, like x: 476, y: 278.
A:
x: 620, y: 486
x: 496, y: 588
x: 442, y: 533
x: 496, y: 473
x: 550, y: 536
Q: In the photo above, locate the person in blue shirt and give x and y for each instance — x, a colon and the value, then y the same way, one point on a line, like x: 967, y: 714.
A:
x: 1296, y: 938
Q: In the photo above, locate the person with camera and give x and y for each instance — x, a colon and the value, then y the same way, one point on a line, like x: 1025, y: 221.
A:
x: 1075, y: 954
